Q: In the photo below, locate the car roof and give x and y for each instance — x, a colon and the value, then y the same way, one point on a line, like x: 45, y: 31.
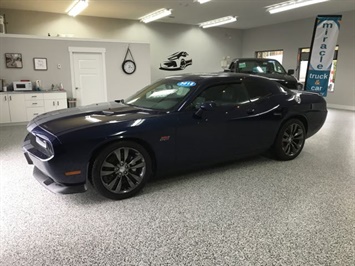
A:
x: 254, y: 59
x: 215, y: 76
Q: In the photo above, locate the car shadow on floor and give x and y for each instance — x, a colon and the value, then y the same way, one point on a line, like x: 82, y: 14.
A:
x: 176, y: 177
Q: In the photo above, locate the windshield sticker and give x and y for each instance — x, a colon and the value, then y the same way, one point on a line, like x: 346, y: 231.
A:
x: 242, y: 65
x: 186, y: 84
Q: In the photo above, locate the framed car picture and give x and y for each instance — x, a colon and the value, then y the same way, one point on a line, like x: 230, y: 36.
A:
x: 40, y: 63
x: 13, y: 60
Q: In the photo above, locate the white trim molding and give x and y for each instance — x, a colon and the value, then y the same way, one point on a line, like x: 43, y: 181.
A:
x: 56, y: 38
x: 86, y: 50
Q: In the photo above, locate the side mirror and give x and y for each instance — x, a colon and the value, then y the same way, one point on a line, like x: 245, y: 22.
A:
x: 206, y: 106
x: 291, y: 71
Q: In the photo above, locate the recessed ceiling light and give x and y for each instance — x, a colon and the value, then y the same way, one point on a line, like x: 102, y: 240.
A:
x: 288, y: 5
x: 77, y: 7
x: 202, y: 1
x: 161, y: 13
x: 218, y: 22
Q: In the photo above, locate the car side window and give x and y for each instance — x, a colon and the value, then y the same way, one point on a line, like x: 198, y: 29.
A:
x: 256, y: 89
x: 223, y: 95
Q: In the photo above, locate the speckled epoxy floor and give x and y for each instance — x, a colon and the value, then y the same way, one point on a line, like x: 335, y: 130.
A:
x: 251, y: 212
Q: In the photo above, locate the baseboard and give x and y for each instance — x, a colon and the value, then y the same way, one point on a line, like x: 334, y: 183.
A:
x: 342, y: 107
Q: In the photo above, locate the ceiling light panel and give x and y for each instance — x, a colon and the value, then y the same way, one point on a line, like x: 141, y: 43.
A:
x: 161, y: 13
x: 202, y: 1
x: 77, y: 7
x: 218, y: 22
x: 288, y: 5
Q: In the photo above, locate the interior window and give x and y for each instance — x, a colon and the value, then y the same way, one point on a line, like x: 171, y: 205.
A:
x: 272, y: 54
x: 223, y: 95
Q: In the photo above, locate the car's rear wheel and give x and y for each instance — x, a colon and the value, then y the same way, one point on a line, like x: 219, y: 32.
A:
x: 290, y: 140
x: 121, y: 170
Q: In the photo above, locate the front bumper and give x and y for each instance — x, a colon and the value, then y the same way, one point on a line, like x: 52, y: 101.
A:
x: 54, y: 187
x: 49, y: 170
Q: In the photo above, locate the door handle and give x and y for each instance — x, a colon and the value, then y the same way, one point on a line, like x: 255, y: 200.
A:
x: 5, y: 98
x: 10, y: 98
x: 57, y: 103
x: 250, y: 111
x: 76, y: 88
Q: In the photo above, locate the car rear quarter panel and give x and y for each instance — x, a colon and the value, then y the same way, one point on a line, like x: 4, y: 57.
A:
x: 312, y: 111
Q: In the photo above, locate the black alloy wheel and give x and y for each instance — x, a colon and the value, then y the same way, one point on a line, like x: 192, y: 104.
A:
x: 121, y: 170
x: 290, y: 140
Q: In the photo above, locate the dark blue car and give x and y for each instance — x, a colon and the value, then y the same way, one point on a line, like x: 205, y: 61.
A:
x: 177, y: 122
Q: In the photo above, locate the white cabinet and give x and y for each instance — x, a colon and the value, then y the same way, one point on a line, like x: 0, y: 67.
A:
x: 4, y: 109
x: 55, y: 101
x: 22, y: 107
x: 34, y: 105
x: 13, y: 108
x: 17, y: 108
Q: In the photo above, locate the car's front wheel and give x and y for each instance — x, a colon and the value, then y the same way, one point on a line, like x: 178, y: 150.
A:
x: 121, y: 170
x: 290, y: 140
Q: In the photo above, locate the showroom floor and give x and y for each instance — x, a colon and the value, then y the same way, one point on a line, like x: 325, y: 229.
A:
x: 251, y: 212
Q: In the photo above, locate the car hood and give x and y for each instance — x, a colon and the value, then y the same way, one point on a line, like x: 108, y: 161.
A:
x: 70, y: 119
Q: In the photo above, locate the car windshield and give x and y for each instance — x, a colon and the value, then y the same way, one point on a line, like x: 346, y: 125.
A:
x: 163, y: 95
x: 263, y: 67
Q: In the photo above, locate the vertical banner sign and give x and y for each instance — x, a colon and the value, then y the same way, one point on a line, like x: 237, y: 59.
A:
x: 324, y: 41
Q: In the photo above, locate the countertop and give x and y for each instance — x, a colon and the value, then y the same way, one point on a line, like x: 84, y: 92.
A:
x: 16, y: 92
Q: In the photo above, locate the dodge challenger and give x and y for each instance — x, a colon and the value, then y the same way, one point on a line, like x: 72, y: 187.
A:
x: 177, y: 122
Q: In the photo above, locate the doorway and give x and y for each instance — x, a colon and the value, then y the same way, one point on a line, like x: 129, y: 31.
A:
x: 88, y: 73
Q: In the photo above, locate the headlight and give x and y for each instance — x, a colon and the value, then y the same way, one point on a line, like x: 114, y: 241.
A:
x: 41, y: 142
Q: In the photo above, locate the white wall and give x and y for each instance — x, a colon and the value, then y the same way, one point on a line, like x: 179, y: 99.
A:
x: 206, y: 47
x: 119, y: 85
x: 297, y: 34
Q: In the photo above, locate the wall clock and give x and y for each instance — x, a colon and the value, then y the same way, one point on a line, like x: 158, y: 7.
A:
x: 128, y: 65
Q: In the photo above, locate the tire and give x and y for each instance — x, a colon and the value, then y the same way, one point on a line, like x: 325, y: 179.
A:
x: 121, y: 170
x: 182, y: 64
x: 290, y: 140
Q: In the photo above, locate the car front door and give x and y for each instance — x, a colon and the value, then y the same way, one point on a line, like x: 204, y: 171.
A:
x: 214, y: 125
x: 200, y: 138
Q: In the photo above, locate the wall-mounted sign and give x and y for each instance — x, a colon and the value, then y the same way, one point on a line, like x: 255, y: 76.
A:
x: 176, y: 61
x: 324, y: 40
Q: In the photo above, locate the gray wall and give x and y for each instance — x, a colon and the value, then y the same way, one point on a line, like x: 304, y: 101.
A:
x: 205, y: 47
x: 294, y: 35
x: 119, y: 85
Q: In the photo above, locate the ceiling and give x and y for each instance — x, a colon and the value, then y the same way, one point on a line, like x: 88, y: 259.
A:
x: 251, y: 13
